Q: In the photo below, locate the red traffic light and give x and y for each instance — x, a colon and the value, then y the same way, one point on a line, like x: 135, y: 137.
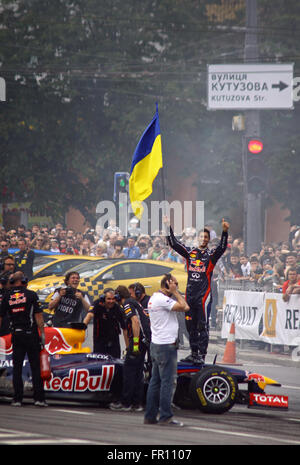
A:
x: 255, y: 146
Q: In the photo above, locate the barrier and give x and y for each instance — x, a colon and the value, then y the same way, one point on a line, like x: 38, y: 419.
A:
x: 261, y: 316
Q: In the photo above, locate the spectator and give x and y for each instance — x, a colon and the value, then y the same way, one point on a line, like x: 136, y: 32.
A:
x: 163, y: 254
x: 245, y: 266
x: 278, y: 275
x: 292, y: 285
x: 155, y: 251
x: 256, y: 270
x: 234, y: 269
x: 101, y: 249
x: 290, y: 262
x: 267, y: 276
x: 85, y: 248
x: 4, y: 249
x: 143, y: 250
x: 133, y: 229
x: 54, y: 246
x: 131, y: 251
x: 70, y: 250
x: 118, y: 250
x: 63, y: 246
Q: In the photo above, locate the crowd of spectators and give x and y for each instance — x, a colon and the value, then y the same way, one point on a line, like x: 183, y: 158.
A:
x: 268, y: 265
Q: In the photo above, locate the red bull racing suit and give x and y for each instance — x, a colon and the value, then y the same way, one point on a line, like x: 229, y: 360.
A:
x: 200, y: 264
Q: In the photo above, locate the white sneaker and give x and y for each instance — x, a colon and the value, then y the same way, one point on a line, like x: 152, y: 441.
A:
x: 16, y: 404
x: 40, y: 403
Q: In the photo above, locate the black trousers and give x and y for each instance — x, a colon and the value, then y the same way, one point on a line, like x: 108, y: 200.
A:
x: 133, y: 385
x: 108, y: 347
x: 27, y: 343
x: 197, y: 325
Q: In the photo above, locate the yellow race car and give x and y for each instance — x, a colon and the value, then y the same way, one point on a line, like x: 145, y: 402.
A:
x: 97, y: 274
x: 47, y: 265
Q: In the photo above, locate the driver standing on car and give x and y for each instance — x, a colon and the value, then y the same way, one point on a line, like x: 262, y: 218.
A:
x: 26, y: 317
x: 69, y: 302
x: 200, y: 265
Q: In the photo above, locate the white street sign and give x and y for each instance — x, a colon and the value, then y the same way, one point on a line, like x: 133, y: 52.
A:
x: 250, y: 86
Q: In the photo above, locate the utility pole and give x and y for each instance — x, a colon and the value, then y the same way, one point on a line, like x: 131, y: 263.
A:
x: 253, y: 215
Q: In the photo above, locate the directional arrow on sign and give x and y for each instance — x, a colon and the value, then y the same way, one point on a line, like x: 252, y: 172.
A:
x: 280, y: 86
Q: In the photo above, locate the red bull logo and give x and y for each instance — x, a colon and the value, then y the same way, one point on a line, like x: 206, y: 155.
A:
x: 80, y: 381
x: 256, y: 377
x: 55, y: 341
x: 197, y: 265
x: 17, y: 298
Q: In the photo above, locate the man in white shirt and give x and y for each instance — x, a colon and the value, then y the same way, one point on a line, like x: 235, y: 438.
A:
x: 162, y: 308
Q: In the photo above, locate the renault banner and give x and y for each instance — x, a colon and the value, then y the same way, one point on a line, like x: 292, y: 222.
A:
x: 262, y: 316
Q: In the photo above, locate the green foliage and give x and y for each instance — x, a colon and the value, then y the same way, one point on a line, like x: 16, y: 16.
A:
x: 82, y: 80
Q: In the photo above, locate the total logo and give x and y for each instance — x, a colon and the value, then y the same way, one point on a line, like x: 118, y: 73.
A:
x: 81, y: 380
x: 268, y: 400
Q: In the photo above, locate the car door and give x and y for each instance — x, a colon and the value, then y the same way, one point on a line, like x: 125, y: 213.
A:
x: 129, y: 272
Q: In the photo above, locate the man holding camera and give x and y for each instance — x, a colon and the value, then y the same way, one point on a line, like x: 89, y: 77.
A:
x: 69, y: 302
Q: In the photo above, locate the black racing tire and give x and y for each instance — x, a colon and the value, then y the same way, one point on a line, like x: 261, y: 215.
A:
x: 213, y: 390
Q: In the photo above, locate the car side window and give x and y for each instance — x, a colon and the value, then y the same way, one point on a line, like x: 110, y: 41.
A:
x: 127, y: 271
x: 58, y: 268
x: 156, y: 270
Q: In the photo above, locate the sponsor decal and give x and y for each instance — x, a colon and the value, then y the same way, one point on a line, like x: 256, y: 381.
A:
x: 55, y: 341
x: 80, y: 381
x: 256, y: 377
x: 270, y: 318
x: 268, y: 401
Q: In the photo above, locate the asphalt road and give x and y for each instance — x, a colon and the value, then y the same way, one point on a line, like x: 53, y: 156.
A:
x: 74, y: 424
x: 89, y: 425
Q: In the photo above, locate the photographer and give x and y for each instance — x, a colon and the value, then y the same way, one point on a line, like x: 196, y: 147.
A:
x: 69, y: 302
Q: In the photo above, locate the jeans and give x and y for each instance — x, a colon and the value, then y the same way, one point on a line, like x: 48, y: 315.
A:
x: 163, y: 382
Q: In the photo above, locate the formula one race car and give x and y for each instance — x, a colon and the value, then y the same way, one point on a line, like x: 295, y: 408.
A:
x: 79, y: 375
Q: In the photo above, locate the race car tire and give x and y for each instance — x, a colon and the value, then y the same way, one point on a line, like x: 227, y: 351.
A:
x: 213, y: 390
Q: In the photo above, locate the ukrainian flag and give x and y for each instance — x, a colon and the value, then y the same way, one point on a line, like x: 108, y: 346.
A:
x: 146, y: 163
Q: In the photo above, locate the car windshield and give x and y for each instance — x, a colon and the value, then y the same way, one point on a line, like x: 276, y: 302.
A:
x: 86, y: 270
x: 41, y: 261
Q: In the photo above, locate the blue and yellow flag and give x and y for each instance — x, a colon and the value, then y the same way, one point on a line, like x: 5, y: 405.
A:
x: 146, y: 163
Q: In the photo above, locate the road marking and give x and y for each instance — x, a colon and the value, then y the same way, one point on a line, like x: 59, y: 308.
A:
x: 290, y: 387
x: 14, y: 437
x: 246, y: 435
x: 78, y: 412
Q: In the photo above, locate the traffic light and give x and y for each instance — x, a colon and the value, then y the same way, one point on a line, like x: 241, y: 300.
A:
x: 256, y: 168
x: 121, y: 180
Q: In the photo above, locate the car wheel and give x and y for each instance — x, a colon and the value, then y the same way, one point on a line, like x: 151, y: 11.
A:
x: 213, y: 390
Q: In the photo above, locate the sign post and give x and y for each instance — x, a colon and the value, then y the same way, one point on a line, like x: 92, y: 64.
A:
x: 250, y: 86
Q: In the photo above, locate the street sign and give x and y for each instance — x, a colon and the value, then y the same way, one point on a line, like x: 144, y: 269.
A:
x: 250, y: 86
